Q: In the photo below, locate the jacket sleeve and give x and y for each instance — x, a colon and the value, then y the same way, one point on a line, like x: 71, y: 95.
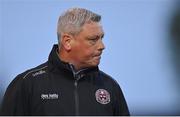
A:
x: 120, y: 105
x: 14, y: 99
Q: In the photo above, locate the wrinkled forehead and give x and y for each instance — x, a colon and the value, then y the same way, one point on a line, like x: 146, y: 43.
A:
x: 93, y: 28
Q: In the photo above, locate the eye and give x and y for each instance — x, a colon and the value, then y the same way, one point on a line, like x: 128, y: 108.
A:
x: 93, y: 39
x: 102, y: 36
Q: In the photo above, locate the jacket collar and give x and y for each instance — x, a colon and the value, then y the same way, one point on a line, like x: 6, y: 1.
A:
x: 55, y: 63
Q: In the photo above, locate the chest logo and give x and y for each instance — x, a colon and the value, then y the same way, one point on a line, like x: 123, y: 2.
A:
x: 102, y: 96
x: 49, y: 96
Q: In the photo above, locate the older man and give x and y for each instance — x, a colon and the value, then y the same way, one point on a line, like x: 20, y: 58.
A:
x: 70, y: 82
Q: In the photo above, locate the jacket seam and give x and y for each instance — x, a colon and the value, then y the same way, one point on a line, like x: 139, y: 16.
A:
x: 33, y: 71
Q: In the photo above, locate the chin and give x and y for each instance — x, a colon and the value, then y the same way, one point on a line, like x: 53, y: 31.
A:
x: 95, y: 64
x: 92, y: 65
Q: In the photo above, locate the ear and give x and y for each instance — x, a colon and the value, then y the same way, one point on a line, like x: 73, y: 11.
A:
x: 66, y: 41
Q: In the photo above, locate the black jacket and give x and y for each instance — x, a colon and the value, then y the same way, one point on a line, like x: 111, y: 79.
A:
x: 53, y: 88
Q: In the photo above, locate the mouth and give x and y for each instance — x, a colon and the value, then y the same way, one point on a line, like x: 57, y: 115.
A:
x: 98, y: 56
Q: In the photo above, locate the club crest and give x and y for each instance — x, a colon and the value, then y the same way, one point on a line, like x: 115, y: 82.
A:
x: 102, y: 96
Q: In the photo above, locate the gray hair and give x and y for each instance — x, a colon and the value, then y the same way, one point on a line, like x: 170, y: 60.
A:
x: 72, y: 20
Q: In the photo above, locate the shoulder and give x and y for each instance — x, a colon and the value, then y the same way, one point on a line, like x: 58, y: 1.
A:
x: 113, y: 84
x: 33, y: 72
x: 108, y: 78
x: 28, y: 75
x: 110, y: 82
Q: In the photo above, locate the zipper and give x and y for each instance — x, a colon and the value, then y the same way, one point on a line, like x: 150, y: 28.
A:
x: 76, y: 98
x: 76, y: 95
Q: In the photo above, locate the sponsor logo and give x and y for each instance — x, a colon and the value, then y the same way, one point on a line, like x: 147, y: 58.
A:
x: 38, y: 73
x: 49, y: 96
x: 102, y: 96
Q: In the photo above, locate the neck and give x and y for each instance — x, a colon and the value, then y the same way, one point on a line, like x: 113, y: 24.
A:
x: 64, y: 56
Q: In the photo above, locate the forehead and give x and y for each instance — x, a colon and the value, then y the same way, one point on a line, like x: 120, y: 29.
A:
x: 92, y: 28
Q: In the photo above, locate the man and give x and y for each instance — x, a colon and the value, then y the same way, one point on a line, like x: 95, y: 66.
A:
x: 69, y: 83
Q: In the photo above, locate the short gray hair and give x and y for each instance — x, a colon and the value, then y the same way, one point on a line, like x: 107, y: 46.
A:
x: 72, y: 20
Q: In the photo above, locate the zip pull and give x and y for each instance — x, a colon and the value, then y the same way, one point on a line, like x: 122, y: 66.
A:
x: 76, y: 74
x: 75, y: 83
x: 73, y: 70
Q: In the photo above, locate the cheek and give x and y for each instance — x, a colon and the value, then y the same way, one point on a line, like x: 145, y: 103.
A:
x: 86, y: 54
x: 83, y: 51
x: 89, y: 52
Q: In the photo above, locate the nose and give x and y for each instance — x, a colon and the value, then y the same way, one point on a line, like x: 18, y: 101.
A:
x: 101, y: 45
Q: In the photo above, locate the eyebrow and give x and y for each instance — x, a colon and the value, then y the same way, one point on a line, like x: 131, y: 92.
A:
x: 96, y: 36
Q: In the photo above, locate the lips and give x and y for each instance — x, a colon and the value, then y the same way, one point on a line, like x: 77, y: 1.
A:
x: 98, y: 56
